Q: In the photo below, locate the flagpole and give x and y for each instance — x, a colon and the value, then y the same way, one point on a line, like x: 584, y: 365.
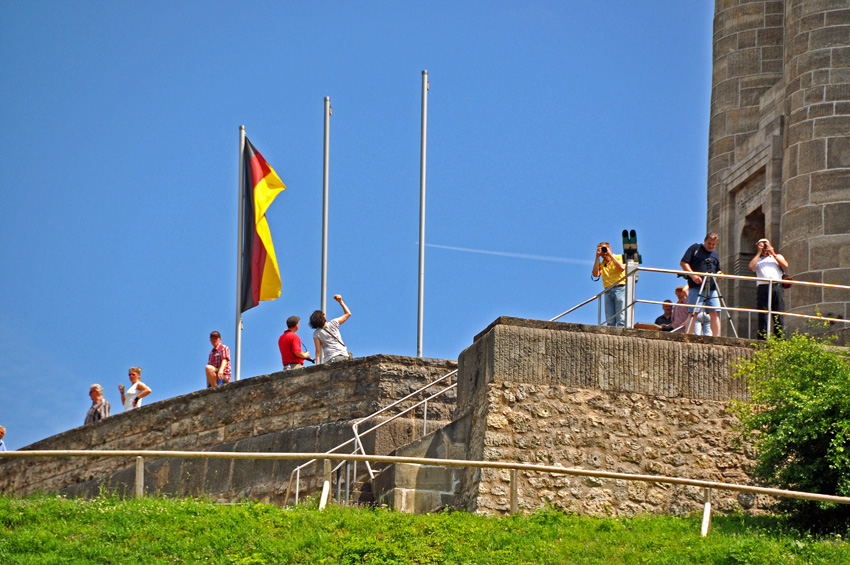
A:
x: 237, y: 347
x: 420, y: 327
x: 324, y: 301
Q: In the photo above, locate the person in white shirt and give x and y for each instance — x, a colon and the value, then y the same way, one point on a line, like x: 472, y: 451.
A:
x: 132, y: 398
x: 768, y: 264
x: 328, y: 340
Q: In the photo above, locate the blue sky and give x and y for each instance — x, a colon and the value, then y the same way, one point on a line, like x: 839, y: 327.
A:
x: 551, y: 126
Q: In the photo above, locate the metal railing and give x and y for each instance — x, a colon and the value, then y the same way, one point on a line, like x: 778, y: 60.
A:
x: 633, y: 270
x: 629, y: 276
x: 358, y: 436
x: 514, y: 468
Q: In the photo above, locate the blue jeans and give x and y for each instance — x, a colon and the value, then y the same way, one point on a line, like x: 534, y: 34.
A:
x: 707, y: 298
x: 615, y: 300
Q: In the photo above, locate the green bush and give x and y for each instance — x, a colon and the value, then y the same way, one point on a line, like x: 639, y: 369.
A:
x: 798, y: 419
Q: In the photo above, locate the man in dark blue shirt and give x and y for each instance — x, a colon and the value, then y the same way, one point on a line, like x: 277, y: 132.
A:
x: 701, y: 258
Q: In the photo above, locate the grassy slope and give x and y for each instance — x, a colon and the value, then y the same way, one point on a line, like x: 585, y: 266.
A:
x: 51, y: 529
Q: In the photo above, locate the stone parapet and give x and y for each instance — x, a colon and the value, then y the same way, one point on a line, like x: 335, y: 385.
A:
x: 307, y: 410
x: 600, y: 398
x: 603, y: 358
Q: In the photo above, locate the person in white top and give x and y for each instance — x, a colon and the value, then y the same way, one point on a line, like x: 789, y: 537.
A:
x: 132, y: 398
x: 768, y: 264
x: 328, y: 341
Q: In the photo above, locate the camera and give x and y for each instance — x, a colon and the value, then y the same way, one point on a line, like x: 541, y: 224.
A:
x: 604, y: 250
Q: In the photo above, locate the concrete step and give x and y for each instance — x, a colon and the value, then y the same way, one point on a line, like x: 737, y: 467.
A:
x: 425, y: 488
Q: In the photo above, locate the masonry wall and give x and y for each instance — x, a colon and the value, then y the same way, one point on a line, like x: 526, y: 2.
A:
x: 599, y: 398
x: 305, y: 410
x: 779, y: 147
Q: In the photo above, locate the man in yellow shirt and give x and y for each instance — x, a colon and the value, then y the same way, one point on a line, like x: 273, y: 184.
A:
x: 611, y: 268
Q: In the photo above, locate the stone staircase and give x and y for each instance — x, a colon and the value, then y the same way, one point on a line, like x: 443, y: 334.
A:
x: 419, y: 488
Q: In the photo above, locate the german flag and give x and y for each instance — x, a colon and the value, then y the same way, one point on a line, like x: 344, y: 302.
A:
x: 260, y: 275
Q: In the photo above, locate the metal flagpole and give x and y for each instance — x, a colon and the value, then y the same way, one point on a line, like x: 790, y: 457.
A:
x: 237, y: 347
x: 324, y: 301
x: 420, y: 326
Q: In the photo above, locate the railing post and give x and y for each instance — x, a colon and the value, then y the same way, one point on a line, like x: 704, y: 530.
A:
x: 338, y: 485
x: 359, y: 444
x: 140, y: 477
x: 769, y: 310
x: 706, y: 513
x: 514, y: 492
x: 631, y: 277
x: 347, y: 482
x: 599, y: 300
x: 297, y: 485
x: 425, y: 418
x: 326, y: 485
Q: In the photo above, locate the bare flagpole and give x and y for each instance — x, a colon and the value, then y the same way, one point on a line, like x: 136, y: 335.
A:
x: 237, y: 347
x: 420, y: 327
x: 324, y: 302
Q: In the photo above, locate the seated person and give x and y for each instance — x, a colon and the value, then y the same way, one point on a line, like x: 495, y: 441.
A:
x: 666, y: 319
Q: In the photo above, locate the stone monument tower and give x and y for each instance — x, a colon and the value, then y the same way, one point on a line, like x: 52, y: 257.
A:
x: 779, y: 147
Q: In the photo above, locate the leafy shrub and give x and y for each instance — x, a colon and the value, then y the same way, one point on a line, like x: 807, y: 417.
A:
x: 798, y: 419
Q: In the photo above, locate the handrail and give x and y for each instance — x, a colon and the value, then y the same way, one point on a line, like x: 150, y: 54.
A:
x: 387, y: 421
x: 385, y: 408
x: 591, y: 299
x: 296, y: 473
x: 770, y: 312
x: 741, y: 277
x: 442, y: 463
x: 754, y: 310
x: 357, y: 439
x: 639, y: 269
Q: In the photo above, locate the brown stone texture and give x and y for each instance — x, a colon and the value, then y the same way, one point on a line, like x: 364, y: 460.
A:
x: 838, y: 153
x: 304, y: 410
x: 608, y: 431
x: 804, y: 101
x: 604, y: 399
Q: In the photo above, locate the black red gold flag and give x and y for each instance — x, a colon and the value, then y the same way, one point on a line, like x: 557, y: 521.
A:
x: 260, y: 274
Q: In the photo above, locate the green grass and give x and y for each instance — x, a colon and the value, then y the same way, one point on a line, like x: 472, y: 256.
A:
x: 52, y: 529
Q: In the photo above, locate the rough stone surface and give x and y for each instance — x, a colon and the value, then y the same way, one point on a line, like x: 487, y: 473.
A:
x: 605, y: 399
x: 306, y: 410
x: 424, y: 488
x: 567, y: 395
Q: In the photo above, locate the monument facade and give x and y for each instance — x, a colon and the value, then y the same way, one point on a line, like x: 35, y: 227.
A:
x: 779, y: 147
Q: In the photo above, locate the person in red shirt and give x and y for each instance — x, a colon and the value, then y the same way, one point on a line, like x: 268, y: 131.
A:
x: 290, y: 345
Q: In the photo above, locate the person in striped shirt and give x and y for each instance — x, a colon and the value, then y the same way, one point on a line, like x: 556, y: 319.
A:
x: 218, y: 365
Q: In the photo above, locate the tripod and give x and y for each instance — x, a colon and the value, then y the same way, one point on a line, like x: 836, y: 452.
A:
x: 698, y: 307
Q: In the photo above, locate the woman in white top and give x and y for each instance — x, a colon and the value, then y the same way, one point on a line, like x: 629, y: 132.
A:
x: 768, y: 264
x: 132, y: 398
x: 328, y: 341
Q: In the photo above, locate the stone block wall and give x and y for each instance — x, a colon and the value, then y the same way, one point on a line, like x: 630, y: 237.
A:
x: 307, y: 410
x: 425, y: 488
x: 779, y: 147
x: 600, y: 398
x: 816, y: 184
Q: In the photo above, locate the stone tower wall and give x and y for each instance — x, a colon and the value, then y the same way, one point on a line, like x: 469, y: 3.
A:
x: 779, y: 156
x: 816, y: 181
